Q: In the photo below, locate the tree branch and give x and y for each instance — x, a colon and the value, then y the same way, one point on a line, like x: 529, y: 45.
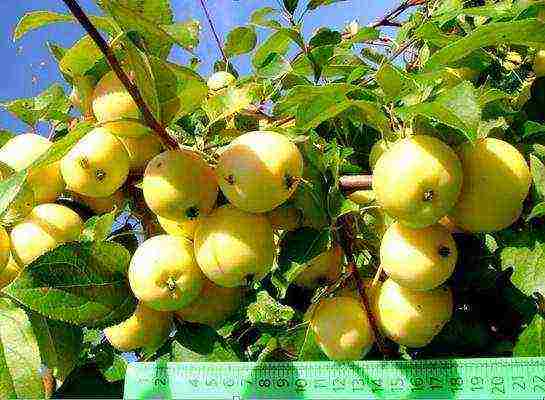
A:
x: 347, y: 236
x: 388, y: 19
x: 150, y: 120
x: 216, y: 37
x: 351, y: 183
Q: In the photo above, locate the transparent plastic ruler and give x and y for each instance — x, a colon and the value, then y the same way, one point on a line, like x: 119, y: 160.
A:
x: 483, y: 378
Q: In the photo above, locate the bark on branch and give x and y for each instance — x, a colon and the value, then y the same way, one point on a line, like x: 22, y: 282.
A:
x: 150, y: 120
x: 351, y: 183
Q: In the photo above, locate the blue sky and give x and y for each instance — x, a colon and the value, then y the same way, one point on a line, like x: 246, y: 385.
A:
x: 27, y: 67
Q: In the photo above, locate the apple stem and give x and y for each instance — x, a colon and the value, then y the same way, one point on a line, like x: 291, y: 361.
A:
x: 352, y: 183
x: 346, y: 233
x: 82, y: 18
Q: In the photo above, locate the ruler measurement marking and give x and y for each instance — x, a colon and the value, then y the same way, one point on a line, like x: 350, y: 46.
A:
x: 489, y: 378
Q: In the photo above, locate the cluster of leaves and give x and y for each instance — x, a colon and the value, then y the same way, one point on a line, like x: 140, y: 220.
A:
x: 336, y: 93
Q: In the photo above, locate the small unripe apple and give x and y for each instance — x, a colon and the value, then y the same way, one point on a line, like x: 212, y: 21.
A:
x: 220, y: 80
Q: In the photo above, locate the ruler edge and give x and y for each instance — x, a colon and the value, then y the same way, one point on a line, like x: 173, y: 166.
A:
x: 531, y: 362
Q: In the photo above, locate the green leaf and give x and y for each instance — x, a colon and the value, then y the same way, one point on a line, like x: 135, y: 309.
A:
x: 369, y: 113
x: 116, y: 370
x: 365, y: 34
x: 339, y: 205
x: 79, y: 283
x: 38, y: 19
x: 531, y: 343
x: 180, y: 90
x: 5, y: 135
x: 394, y: 82
x: 537, y: 168
x: 278, y: 43
x: 50, y: 105
x: 10, y: 189
x: 266, y: 310
x: 302, y: 245
x: 457, y: 107
x: 291, y: 5
x: 186, y: 33
x: 61, y: 147
x: 325, y: 36
x: 524, y: 251
x: 314, y: 4
x: 240, y: 40
x: 20, y: 363
x: 196, y: 342
x: 528, y: 32
x: 312, y: 105
x: 229, y: 102
x: 140, y: 64
x: 275, y: 66
x: 98, y: 228
x: 532, y: 128
x: 152, y: 21
x: 537, y: 211
x: 59, y: 343
x: 260, y: 17
x: 81, y: 58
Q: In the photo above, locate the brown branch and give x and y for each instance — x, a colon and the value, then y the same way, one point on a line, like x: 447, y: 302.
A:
x: 150, y: 120
x: 351, y: 183
x: 347, y: 236
x: 216, y: 37
x: 388, y: 18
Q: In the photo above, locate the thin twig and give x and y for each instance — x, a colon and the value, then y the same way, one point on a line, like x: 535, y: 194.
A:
x: 388, y: 18
x: 80, y: 15
x: 346, y: 236
x: 211, y: 23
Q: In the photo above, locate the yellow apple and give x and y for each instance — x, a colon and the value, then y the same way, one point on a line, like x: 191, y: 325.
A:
x: 213, y: 305
x: 232, y: 246
x: 20, y: 152
x: 259, y: 171
x: 146, y: 328
x: 163, y: 273
x: 412, y: 317
x: 341, y: 328
x: 419, y: 259
x: 285, y: 218
x: 97, y: 165
x: 111, y: 101
x: 141, y: 150
x: 179, y: 228
x: 418, y: 180
x: 179, y: 185
x: 496, y: 182
x: 46, y: 227
x: 323, y: 269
